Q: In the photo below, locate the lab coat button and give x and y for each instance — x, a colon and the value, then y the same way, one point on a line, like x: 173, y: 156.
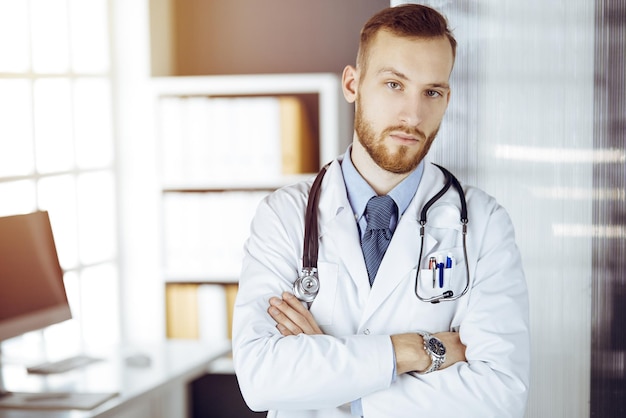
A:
x: 366, y: 332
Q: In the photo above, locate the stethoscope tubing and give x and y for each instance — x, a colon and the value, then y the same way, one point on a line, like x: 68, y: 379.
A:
x: 307, y: 284
x: 448, y: 295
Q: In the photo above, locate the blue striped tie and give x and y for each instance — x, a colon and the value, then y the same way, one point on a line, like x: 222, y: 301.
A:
x: 377, y: 235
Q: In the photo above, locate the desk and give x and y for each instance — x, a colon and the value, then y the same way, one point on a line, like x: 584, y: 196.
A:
x: 157, y: 391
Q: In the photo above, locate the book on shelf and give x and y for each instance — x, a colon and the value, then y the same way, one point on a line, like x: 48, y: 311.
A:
x: 234, y: 139
x: 204, y: 233
x: 201, y: 311
x: 300, y: 150
x: 181, y: 308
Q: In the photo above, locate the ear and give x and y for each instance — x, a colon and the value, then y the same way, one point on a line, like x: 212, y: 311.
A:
x: 349, y: 83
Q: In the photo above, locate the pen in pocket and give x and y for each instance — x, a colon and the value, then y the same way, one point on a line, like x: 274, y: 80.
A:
x: 432, y: 265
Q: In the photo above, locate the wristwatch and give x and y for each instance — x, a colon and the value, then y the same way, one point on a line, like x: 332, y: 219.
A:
x: 435, y: 349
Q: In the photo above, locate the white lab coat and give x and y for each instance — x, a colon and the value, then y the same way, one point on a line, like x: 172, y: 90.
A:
x: 318, y: 376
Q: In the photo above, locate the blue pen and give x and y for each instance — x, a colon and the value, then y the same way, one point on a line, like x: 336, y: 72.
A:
x: 449, y: 261
x: 440, y: 266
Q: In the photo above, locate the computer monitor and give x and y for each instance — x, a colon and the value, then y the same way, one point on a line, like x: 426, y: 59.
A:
x: 32, y: 292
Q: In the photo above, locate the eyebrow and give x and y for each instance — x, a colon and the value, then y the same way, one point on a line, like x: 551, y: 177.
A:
x: 404, y: 77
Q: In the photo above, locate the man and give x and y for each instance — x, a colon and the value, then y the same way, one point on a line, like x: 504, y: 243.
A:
x: 360, y: 349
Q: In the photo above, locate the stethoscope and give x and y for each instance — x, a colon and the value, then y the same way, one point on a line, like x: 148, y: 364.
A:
x: 307, y: 285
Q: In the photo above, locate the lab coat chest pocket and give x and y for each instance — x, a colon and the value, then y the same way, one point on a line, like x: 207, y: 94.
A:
x: 442, y: 271
x: 441, y: 316
x: 323, y: 306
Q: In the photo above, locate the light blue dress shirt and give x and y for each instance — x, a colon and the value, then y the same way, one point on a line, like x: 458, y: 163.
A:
x: 359, y: 193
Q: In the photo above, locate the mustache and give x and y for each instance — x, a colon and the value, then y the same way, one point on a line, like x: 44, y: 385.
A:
x: 405, y: 130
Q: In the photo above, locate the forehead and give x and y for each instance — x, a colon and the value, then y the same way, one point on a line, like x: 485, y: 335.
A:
x: 414, y: 56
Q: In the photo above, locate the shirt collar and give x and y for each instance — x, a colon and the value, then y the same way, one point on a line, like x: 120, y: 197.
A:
x: 360, y: 192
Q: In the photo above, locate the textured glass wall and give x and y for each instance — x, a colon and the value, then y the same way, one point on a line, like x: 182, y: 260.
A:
x: 537, y: 120
x: 608, y: 384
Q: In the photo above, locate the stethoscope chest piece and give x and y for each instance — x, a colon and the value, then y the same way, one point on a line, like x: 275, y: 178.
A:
x: 307, y: 285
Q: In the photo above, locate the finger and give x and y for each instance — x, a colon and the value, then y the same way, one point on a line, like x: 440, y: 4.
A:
x: 284, y: 324
x: 290, y: 317
x: 296, y: 317
x: 294, y: 309
x: 310, y: 327
x: 295, y: 303
x: 283, y: 330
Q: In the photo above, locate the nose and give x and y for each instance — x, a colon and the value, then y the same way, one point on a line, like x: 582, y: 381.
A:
x: 412, y: 111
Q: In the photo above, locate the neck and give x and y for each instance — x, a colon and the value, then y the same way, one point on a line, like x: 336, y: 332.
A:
x: 381, y: 180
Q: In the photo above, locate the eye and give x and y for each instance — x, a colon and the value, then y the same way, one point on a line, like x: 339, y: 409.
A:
x: 433, y: 93
x: 393, y: 85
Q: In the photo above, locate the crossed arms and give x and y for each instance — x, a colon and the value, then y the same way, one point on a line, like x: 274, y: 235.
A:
x: 284, y: 361
x: 292, y: 318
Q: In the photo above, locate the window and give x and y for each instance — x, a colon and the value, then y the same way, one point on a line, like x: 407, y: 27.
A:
x: 57, y: 149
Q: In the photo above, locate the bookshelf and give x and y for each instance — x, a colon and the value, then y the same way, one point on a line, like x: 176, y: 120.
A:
x: 224, y: 143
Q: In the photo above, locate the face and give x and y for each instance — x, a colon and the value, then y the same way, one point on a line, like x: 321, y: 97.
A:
x: 400, y: 98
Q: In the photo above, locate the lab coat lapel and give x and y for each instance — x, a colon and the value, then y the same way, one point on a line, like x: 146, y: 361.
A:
x: 339, y: 231
x: 401, y: 257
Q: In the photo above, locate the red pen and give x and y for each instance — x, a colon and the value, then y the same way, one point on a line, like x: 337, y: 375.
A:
x: 432, y: 265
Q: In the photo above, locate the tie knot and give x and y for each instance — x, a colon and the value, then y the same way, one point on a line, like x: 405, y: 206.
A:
x: 379, y: 211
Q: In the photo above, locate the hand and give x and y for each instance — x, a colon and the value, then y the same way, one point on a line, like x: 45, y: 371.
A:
x: 411, y: 356
x: 291, y: 317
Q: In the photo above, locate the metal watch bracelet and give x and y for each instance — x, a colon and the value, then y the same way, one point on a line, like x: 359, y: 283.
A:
x: 436, y: 351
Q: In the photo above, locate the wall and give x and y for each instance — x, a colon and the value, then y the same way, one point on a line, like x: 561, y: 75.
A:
x: 608, y: 343
x: 537, y: 120
x: 259, y: 37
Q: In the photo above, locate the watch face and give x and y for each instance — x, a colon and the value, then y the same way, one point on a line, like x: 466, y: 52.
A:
x: 436, y: 347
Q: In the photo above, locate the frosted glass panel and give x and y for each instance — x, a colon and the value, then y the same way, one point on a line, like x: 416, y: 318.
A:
x: 17, y: 197
x: 89, y: 26
x: 608, y: 231
x: 14, y: 50
x: 53, y: 125
x: 16, y: 140
x: 96, y: 214
x: 521, y: 126
x: 56, y: 139
x: 92, y: 122
x: 50, y: 36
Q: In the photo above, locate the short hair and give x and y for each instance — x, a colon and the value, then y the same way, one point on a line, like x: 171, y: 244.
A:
x: 410, y: 20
